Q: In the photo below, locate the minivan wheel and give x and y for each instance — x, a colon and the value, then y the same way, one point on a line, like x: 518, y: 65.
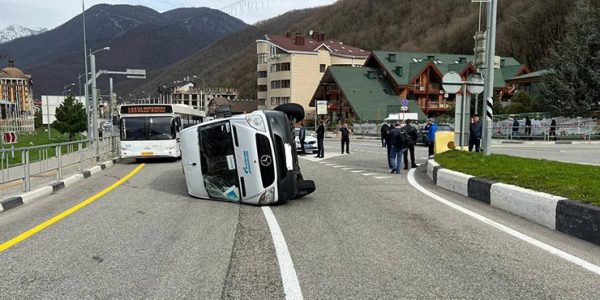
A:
x: 292, y: 110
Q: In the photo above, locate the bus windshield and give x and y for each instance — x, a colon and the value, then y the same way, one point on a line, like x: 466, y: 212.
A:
x: 218, y: 161
x: 147, y: 128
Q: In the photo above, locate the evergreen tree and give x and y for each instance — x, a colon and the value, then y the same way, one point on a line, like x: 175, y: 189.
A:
x: 70, y: 117
x: 573, y: 87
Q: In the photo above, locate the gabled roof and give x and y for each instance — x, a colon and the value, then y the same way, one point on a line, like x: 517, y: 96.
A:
x: 336, y: 48
x: 536, y: 74
x: 371, y: 98
x: 409, y: 61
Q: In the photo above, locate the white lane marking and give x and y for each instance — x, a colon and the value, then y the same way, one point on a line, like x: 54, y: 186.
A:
x: 555, y: 251
x: 368, y: 174
x: 383, y: 177
x: 346, y: 169
x: 331, y: 165
x: 357, y: 171
x: 291, y: 287
x: 339, y: 167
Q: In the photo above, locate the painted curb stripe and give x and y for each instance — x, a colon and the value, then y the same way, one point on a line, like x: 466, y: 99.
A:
x: 58, y: 186
x: 578, y: 219
x: 86, y: 174
x: 479, y: 189
x: 25, y: 235
x: 12, y: 203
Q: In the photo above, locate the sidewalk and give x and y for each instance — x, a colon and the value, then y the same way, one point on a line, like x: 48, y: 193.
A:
x: 45, y: 172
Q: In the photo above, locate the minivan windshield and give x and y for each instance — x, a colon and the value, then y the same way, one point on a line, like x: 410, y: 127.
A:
x: 147, y: 128
x: 217, y: 161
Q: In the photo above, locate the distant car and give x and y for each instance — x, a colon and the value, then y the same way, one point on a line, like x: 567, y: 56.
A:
x: 423, y: 134
x: 310, y: 142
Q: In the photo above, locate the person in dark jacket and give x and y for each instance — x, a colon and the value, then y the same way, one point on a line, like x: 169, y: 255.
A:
x: 345, y: 131
x: 528, y: 127
x: 397, y: 150
x: 475, y: 134
x: 388, y: 143
x: 384, y: 133
x: 553, y: 127
x: 515, y: 129
x: 320, y: 137
x: 302, y: 138
x: 412, y: 132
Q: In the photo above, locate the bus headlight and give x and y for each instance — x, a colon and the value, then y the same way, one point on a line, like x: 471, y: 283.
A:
x: 267, y: 197
x: 256, y: 122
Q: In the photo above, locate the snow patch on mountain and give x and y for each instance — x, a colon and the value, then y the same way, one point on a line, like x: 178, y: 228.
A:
x: 12, y: 32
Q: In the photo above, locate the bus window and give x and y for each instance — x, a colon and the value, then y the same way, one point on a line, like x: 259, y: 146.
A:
x: 160, y: 128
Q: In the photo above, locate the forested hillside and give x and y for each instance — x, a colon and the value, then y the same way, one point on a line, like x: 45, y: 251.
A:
x: 526, y: 30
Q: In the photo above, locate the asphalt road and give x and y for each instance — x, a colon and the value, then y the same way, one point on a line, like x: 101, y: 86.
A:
x: 364, y: 234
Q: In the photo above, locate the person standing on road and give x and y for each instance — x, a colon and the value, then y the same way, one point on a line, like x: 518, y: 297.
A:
x: 384, y: 134
x: 515, y: 129
x: 410, y: 147
x: 528, y: 127
x: 302, y: 138
x: 320, y: 137
x: 398, y: 139
x: 388, y: 143
x: 553, y: 127
x: 345, y: 131
x: 475, y: 134
x: 431, y: 135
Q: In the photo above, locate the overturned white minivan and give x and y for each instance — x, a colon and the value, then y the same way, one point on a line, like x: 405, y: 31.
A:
x: 249, y: 158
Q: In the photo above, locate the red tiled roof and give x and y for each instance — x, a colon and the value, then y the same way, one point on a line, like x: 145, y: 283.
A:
x: 311, y: 45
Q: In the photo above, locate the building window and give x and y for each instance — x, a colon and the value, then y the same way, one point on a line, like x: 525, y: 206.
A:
x: 261, y: 102
x: 280, y: 67
x: 263, y: 58
x: 285, y: 84
x: 275, y: 84
x: 322, y: 68
x: 262, y: 88
x: 262, y: 74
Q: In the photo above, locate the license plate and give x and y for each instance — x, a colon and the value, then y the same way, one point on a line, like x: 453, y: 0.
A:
x: 147, y: 153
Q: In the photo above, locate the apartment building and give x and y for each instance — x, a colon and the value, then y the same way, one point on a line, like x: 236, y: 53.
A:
x: 189, y: 93
x: 290, y: 67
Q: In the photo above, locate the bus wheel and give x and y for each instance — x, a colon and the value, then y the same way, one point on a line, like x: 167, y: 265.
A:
x: 292, y: 110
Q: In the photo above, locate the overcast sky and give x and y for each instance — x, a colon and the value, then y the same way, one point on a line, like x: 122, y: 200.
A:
x: 52, y: 13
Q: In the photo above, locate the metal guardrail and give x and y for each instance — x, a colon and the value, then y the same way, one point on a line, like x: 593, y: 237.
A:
x: 17, y: 164
x: 586, y: 133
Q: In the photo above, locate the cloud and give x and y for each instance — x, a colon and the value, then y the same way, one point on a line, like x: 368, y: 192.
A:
x: 52, y: 13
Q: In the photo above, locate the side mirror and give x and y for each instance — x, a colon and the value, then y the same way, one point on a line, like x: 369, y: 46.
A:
x: 115, y: 120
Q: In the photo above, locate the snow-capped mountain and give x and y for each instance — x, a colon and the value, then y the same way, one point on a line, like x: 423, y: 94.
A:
x: 12, y: 32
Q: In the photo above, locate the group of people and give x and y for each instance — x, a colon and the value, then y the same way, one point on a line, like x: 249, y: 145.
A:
x: 400, y: 142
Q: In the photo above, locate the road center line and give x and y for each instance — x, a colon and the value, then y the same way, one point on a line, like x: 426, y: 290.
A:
x: 291, y: 287
x: 555, y: 251
x: 27, y: 234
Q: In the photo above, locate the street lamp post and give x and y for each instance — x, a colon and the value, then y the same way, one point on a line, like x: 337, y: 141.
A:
x: 65, y: 88
x: 94, y: 107
x: 489, y: 76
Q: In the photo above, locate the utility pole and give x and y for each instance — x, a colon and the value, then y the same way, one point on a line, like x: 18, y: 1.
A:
x: 87, y: 96
x: 94, y: 106
x: 488, y: 100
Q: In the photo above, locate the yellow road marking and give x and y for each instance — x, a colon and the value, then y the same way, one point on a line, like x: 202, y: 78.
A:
x: 25, y: 235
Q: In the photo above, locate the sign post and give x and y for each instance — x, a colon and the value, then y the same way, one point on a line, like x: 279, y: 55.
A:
x: 452, y: 84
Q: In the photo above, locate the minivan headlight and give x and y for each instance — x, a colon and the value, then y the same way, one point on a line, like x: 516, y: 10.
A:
x: 256, y: 122
x: 267, y: 197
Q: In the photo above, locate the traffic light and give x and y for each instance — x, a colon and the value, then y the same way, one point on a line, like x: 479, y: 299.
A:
x: 479, y: 50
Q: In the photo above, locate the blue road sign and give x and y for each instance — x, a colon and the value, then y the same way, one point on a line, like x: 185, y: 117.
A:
x: 404, y: 102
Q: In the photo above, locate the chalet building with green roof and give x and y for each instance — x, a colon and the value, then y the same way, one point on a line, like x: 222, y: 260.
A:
x: 418, y: 76
x: 375, y: 90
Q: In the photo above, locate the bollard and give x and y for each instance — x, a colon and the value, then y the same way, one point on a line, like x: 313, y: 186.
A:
x: 79, y: 147
x: 59, y: 163
x: 26, y: 171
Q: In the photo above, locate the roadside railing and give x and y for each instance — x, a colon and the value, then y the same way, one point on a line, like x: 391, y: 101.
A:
x: 573, y: 132
x: 20, y: 164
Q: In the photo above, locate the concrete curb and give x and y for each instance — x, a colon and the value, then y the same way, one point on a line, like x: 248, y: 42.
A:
x: 43, y: 191
x: 554, y: 212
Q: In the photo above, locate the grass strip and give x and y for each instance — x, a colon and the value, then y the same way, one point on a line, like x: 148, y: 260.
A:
x: 576, y: 182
